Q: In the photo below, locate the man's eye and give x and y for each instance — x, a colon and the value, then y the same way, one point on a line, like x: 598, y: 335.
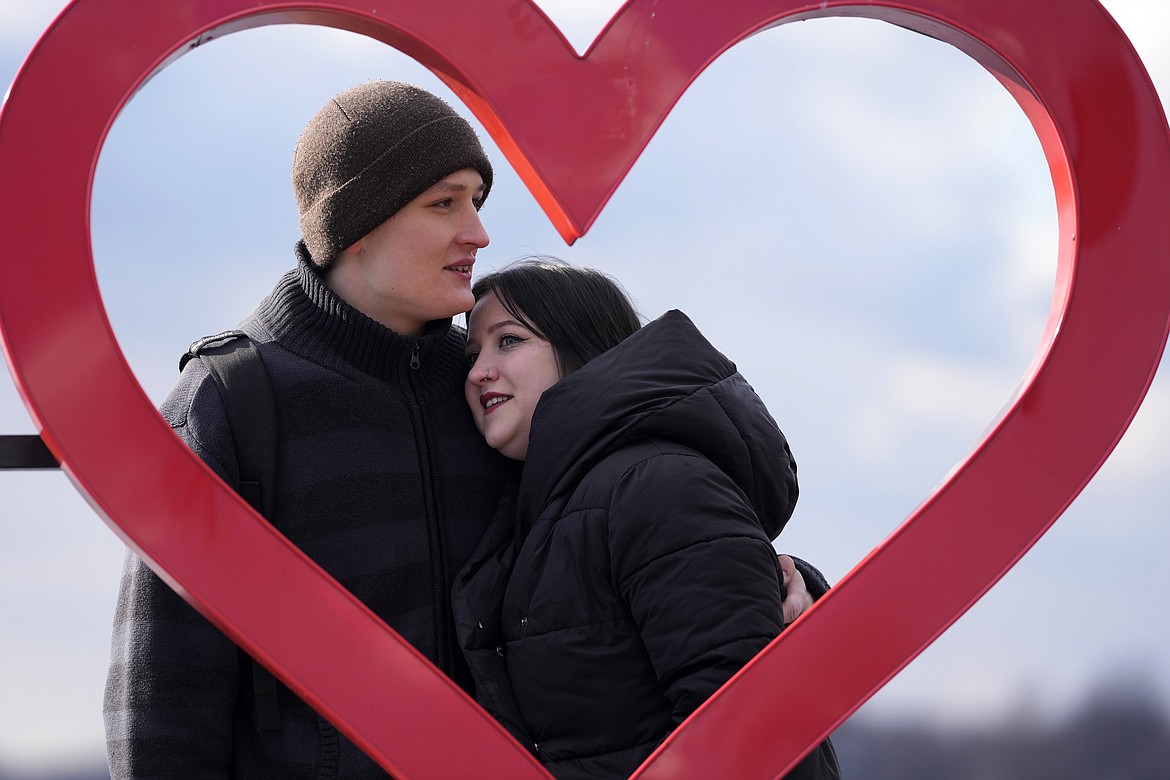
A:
x: 445, y: 203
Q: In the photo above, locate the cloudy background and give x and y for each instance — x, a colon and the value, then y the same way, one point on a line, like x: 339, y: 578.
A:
x: 859, y: 216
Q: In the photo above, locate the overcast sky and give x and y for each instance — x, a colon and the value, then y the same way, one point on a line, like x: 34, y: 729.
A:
x: 859, y: 216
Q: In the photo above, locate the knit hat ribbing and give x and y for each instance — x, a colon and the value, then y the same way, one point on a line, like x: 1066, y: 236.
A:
x: 367, y: 153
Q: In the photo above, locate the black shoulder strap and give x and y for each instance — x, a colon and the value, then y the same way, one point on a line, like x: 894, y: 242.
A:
x: 235, y: 363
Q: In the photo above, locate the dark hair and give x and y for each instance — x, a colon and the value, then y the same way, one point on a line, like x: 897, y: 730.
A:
x: 580, y: 311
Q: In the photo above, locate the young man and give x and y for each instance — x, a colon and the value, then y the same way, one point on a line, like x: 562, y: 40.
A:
x: 382, y: 477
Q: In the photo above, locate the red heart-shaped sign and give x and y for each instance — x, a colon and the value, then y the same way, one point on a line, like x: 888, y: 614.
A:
x: 1065, y: 61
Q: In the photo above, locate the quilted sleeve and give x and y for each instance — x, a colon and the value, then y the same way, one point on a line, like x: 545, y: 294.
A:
x: 697, y: 571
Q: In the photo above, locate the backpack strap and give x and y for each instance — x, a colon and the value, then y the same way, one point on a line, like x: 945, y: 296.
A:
x: 235, y: 364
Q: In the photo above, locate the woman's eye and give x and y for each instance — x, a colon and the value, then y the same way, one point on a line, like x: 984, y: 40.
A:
x: 510, y: 341
x: 471, y: 357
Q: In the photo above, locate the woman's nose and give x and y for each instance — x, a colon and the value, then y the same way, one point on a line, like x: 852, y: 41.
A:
x: 483, y: 373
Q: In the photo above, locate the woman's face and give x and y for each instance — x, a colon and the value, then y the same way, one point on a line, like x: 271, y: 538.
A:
x: 510, y: 368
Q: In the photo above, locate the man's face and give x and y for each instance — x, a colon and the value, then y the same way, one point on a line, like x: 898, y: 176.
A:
x: 416, y: 266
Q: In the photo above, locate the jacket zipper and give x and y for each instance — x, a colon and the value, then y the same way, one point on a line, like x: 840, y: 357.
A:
x: 442, y: 606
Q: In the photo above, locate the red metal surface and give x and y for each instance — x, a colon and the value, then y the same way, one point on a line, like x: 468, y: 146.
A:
x: 1065, y: 61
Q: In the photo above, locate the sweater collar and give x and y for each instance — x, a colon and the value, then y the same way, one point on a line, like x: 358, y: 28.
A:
x: 308, y: 318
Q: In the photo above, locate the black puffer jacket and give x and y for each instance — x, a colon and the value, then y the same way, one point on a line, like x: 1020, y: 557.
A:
x: 632, y: 574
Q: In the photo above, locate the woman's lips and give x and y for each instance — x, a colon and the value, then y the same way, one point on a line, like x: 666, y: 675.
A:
x: 489, y: 401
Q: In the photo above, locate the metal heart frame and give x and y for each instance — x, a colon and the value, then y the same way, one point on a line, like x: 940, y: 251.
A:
x: 1065, y: 61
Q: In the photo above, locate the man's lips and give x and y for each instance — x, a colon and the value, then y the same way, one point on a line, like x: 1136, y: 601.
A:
x: 462, y: 267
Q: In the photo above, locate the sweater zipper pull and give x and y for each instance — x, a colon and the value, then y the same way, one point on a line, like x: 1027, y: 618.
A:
x: 414, y: 358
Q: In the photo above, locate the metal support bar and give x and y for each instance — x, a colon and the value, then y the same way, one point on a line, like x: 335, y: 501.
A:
x: 25, y: 452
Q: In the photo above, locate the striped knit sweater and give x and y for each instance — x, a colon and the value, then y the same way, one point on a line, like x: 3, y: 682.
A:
x: 382, y: 479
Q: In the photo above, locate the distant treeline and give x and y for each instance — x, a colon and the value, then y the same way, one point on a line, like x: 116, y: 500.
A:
x: 1118, y: 733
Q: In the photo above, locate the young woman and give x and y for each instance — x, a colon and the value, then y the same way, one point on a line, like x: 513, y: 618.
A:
x: 631, y: 572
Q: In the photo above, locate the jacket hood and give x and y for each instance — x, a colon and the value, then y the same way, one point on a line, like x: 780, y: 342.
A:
x: 665, y: 382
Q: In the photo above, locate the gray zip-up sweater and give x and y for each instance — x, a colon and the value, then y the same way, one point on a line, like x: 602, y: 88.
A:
x: 382, y: 480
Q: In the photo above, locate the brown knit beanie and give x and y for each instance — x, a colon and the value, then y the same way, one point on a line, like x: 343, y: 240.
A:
x: 367, y: 153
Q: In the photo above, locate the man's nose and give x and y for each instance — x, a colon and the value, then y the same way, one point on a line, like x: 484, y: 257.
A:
x: 474, y: 232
